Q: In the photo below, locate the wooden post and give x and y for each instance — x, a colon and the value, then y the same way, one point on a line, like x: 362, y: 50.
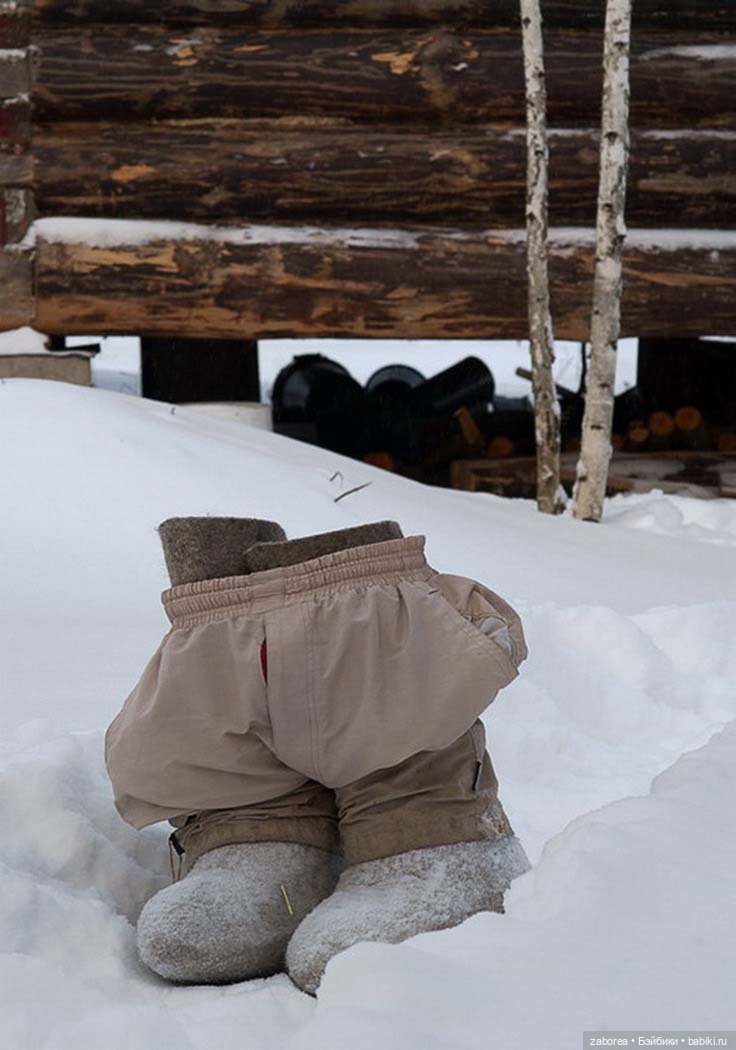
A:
x: 188, y: 370
x: 550, y: 496
x: 595, y: 450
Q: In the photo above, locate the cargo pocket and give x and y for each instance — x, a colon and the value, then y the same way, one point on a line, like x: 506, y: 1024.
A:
x: 483, y: 613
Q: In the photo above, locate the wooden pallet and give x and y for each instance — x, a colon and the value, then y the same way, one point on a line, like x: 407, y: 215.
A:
x: 705, y: 475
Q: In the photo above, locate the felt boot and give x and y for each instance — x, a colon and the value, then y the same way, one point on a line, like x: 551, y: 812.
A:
x: 427, y: 843
x: 231, y: 917
x: 393, y: 898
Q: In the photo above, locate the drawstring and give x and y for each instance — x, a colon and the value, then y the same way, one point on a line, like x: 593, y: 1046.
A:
x: 176, y: 853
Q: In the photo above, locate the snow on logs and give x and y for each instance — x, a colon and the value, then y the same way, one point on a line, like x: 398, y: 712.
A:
x: 260, y: 281
x: 304, y: 111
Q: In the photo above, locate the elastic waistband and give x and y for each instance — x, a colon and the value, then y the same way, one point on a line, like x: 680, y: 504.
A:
x: 208, y: 600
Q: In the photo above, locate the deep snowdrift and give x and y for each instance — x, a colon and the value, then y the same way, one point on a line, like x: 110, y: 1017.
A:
x: 627, y: 917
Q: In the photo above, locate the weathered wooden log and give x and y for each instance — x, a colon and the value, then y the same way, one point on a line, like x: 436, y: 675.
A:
x: 227, y: 171
x: 263, y: 282
x: 16, y: 287
x: 692, y: 431
x: 701, y: 15
x: 637, y: 436
x: 380, y: 76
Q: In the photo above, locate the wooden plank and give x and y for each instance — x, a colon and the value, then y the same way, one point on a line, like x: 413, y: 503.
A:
x: 676, y: 14
x: 470, y: 177
x: 16, y: 287
x: 379, y: 76
x: 264, y: 282
x: 704, y: 475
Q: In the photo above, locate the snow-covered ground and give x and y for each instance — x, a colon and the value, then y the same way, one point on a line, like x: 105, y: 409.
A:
x: 615, y: 748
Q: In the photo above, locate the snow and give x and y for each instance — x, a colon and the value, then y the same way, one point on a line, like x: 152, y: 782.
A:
x: 710, y: 521
x: 615, y: 748
x: 107, y: 233
x: 702, y: 52
x: 29, y: 342
x: 22, y: 341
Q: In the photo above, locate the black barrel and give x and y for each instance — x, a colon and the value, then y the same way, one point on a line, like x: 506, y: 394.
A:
x: 316, y: 399
x: 294, y: 385
x: 469, y: 383
x: 395, y: 380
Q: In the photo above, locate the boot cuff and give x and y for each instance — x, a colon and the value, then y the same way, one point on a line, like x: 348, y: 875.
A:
x: 270, y: 554
x: 202, y: 548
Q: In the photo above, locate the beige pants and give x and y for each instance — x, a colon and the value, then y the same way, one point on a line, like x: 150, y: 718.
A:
x: 433, y: 798
x: 325, y: 674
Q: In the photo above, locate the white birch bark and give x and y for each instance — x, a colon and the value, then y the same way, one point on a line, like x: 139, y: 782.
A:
x: 550, y: 495
x: 595, y: 446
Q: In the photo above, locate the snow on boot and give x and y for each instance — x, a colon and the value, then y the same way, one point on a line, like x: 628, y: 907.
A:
x: 231, y: 917
x: 397, y: 897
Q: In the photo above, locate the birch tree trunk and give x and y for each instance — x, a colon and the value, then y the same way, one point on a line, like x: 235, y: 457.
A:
x: 595, y: 447
x: 550, y: 496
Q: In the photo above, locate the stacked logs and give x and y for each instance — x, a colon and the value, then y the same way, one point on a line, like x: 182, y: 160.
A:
x: 16, y: 167
x: 381, y: 115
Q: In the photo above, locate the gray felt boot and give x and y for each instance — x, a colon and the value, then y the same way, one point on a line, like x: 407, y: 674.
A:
x: 397, y: 897
x: 231, y: 917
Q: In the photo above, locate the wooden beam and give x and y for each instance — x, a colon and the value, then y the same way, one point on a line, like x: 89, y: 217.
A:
x: 261, y: 282
x: 186, y: 370
x: 380, y: 76
x: 219, y: 172
x: 16, y: 287
x: 700, y: 15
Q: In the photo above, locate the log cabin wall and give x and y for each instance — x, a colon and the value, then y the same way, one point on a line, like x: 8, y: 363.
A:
x: 368, y: 156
